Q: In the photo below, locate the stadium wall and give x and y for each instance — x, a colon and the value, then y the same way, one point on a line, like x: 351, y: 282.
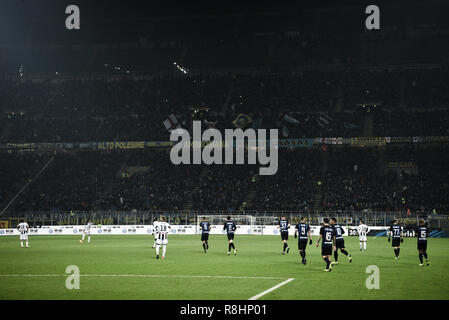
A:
x: 148, y: 229
x: 378, y: 231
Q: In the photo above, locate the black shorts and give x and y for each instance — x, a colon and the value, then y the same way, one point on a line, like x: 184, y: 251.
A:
x: 284, y: 235
x: 340, y: 243
x: 422, y: 245
x: 231, y: 236
x: 396, y: 242
x: 204, y: 236
x: 326, y: 249
x: 302, y: 244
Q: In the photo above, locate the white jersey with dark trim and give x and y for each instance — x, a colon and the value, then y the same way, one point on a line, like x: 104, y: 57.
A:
x: 23, y: 227
x: 363, y: 230
x: 161, y: 230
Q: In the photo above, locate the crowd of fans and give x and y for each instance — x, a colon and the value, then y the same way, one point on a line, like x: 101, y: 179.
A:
x: 318, y: 104
x: 338, y: 178
x: 309, y: 74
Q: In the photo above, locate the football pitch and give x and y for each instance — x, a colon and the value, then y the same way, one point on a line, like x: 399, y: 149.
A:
x: 125, y: 267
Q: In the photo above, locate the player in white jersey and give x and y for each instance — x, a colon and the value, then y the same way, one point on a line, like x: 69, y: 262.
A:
x: 162, y: 229
x: 155, y: 222
x: 87, y: 232
x: 23, y: 228
x: 363, y: 230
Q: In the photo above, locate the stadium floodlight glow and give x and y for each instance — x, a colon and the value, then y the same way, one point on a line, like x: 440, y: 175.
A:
x: 182, y: 69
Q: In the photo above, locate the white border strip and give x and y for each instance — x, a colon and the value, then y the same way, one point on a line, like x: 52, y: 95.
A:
x: 271, y: 289
x: 141, y: 276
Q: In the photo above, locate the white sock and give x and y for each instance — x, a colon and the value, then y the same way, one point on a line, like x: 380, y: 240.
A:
x: 364, y: 245
x: 21, y: 244
x: 27, y: 244
x: 83, y: 237
x: 360, y: 245
x: 164, y: 248
x: 88, y: 239
x: 157, y: 249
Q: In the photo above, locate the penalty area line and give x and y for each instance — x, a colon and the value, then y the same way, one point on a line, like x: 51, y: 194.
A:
x: 271, y: 289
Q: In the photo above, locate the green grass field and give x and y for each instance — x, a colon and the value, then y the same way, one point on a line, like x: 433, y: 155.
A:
x: 183, y: 274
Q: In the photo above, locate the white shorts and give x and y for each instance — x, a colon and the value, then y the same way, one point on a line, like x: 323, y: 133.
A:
x: 23, y: 236
x: 362, y: 238
x: 161, y: 242
x: 87, y: 232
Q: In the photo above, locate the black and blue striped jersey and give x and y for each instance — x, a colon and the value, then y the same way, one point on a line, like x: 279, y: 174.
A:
x: 283, y: 225
x: 339, y: 231
x: 327, y: 233
x: 229, y: 226
x: 303, y: 229
x: 396, y: 231
x: 421, y: 233
x: 205, y: 227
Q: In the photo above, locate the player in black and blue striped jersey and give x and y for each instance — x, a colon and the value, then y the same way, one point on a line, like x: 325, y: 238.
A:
x: 327, y: 233
x: 283, y: 227
x: 398, y: 236
x: 421, y: 234
x: 339, y: 241
x: 205, y: 229
x: 304, y: 234
x: 230, y: 228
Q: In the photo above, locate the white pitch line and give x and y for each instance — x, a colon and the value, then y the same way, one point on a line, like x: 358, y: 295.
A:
x: 271, y: 289
x: 141, y: 276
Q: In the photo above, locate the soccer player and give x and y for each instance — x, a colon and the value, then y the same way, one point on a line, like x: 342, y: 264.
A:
x: 339, y: 241
x: 86, y: 231
x: 363, y: 230
x: 421, y: 234
x: 155, y: 222
x: 284, y: 226
x: 162, y: 228
x: 398, y: 236
x: 23, y: 228
x: 205, y: 228
x: 304, y: 235
x: 230, y: 227
x: 327, y: 233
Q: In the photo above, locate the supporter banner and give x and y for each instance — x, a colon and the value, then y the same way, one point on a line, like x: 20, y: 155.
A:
x: 401, y: 164
x: 435, y: 139
x: 426, y: 139
x: 283, y: 143
x: 121, y: 145
x: 368, y: 141
x: 21, y: 146
x: 338, y: 140
x: 160, y: 144
x: 295, y: 143
x: 399, y: 139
